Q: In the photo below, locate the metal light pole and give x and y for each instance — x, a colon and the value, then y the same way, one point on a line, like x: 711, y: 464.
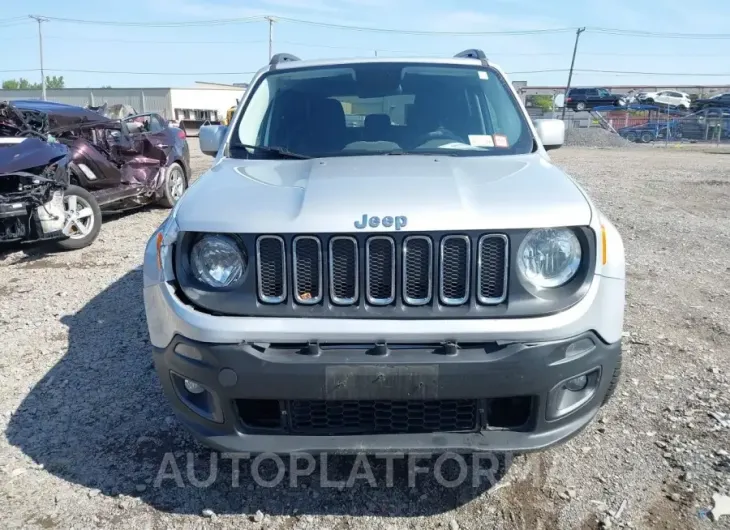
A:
x: 570, y: 74
x: 271, y: 36
x: 40, y: 20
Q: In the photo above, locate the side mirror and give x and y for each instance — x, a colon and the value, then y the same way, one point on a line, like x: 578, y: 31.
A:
x: 211, y: 137
x: 551, y: 133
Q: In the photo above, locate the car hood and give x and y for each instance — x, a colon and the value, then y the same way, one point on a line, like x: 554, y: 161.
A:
x: 32, y: 154
x: 432, y: 192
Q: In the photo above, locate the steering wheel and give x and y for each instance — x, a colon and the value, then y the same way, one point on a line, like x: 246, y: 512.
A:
x: 439, y: 134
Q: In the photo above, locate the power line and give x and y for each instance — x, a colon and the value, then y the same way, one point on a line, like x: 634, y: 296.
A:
x: 214, y: 22
x: 8, y: 22
x: 658, y: 34
x: 78, y: 71
x: 365, y: 49
x: 423, y: 32
x: 260, y: 18
x: 620, y: 72
x: 82, y: 71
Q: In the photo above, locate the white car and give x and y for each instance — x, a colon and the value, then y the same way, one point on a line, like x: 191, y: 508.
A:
x: 671, y: 98
x: 312, y: 292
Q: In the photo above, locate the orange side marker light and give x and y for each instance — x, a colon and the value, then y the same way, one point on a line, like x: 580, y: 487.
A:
x: 160, y: 238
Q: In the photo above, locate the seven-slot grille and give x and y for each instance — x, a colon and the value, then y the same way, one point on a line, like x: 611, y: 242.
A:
x: 417, y: 269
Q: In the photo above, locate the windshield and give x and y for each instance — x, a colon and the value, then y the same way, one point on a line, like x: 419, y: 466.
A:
x: 382, y: 108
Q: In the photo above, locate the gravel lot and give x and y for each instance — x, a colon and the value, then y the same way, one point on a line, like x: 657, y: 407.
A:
x: 86, y: 426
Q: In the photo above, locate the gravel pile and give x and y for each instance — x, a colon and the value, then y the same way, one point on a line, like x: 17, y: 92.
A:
x: 595, y: 137
x: 87, y: 429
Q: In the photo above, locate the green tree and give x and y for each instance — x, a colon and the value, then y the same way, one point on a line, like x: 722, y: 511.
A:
x: 19, y: 84
x: 55, y: 82
x: 24, y: 84
x: 543, y: 102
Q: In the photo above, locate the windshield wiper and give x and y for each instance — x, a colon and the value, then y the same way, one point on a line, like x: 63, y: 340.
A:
x: 281, y: 151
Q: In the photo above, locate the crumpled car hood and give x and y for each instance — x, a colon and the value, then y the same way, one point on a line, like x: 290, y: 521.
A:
x: 432, y: 192
x: 31, y: 153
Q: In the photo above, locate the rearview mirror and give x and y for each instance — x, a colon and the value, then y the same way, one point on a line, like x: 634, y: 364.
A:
x: 551, y: 133
x: 211, y: 137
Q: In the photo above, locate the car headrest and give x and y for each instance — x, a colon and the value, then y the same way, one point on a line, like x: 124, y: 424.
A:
x: 329, y: 112
x: 377, y: 121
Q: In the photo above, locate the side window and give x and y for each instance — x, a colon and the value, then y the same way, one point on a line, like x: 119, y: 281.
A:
x: 503, y: 115
x: 138, y: 124
x: 156, y: 124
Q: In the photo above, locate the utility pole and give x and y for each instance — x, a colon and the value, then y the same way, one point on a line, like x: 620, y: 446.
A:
x: 271, y: 36
x: 40, y: 20
x: 570, y: 75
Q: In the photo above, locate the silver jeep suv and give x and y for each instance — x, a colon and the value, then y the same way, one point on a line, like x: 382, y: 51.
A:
x: 381, y: 258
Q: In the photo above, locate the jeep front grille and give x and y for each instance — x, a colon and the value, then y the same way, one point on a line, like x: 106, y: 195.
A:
x: 381, y: 270
x: 344, y: 270
x: 271, y: 260
x: 417, y: 270
x: 454, y: 273
x: 307, y: 270
x: 492, y: 278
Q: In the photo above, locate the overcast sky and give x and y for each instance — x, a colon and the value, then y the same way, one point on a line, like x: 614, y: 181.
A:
x: 235, y: 50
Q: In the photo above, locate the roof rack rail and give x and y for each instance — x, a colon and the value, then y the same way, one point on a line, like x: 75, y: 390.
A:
x: 283, y: 58
x: 474, y: 53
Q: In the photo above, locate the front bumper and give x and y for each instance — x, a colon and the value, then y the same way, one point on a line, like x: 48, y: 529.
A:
x: 278, y: 374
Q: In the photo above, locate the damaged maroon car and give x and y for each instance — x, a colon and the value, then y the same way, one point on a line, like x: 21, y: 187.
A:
x: 109, y: 165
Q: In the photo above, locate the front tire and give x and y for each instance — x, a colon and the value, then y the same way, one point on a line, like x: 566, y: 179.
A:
x: 174, y: 186
x: 82, y: 219
x: 647, y: 137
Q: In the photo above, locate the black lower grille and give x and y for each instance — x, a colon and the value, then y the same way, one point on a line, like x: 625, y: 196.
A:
x: 383, y: 417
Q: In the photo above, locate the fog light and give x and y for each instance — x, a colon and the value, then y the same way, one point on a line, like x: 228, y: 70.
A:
x: 193, y: 387
x: 574, y: 385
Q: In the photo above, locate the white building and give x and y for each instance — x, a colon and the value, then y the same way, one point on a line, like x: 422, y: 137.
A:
x: 203, y: 101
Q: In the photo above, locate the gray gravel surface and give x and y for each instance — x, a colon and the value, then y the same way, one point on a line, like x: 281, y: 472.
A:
x: 86, y: 427
x: 597, y: 138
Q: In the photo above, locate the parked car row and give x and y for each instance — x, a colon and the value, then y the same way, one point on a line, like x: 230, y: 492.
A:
x: 62, y: 166
x: 708, y: 124
x: 580, y: 99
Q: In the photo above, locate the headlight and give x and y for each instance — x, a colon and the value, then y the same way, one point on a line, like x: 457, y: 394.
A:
x: 549, y: 257
x: 217, y: 260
